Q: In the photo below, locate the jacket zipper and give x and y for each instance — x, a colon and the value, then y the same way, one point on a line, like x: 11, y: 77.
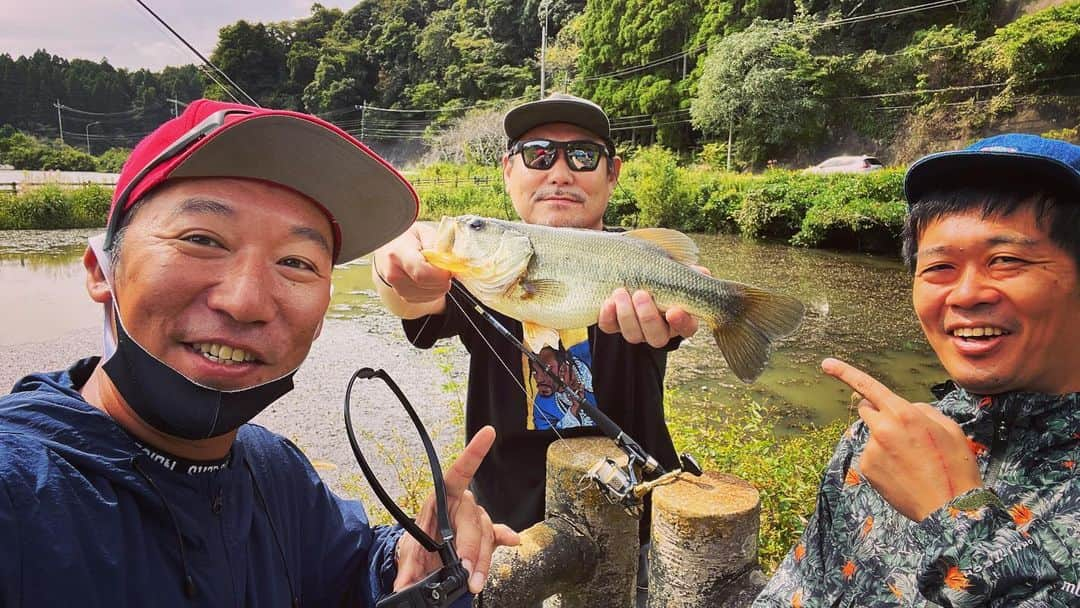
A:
x: 998, y: 446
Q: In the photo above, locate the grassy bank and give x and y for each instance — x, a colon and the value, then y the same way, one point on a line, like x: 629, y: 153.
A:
x: 785, y: 470
x: 844, y: 211
x: 51, y: 207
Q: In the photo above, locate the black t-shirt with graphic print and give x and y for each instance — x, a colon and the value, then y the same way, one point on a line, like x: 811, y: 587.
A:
x: 625, y: 380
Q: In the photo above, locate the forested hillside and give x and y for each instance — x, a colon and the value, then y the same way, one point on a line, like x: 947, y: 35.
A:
x: 785, y: 80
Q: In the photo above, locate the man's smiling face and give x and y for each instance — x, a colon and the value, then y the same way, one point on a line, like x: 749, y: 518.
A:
x: 225, y: 280
x: 558, y: 196
x: 999, y: 303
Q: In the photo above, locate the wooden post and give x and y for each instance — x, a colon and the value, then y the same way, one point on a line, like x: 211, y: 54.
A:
x: 553, y: 557
x: 613, y: 581
x: 704, y: 543
x: 584, y: 555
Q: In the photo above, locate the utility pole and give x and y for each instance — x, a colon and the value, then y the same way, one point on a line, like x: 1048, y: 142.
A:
x: 363, y: 116
x: 88, y: 135
x: 543, y: 11
x: 60, y: 121
x: 175, y: 104
x: 730, y: 128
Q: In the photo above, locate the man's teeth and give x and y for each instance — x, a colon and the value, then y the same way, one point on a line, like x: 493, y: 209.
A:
x: 977, y: 332
x: 219, y: 353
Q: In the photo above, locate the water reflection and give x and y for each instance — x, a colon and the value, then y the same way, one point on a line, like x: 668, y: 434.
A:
x: 858, y: 308
x: 44, y: 294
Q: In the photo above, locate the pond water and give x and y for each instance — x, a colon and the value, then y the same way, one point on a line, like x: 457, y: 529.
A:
x: 858, y: 309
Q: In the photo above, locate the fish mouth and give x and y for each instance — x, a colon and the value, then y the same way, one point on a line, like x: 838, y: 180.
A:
x: 441, y: 253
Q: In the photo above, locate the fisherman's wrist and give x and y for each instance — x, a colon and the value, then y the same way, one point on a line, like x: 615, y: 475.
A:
x: 379, y: 274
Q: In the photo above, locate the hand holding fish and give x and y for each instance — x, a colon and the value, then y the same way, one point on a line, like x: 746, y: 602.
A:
x: 917, y: 458
x: 409, y: 285
x: 638, y: 318
x: 554, y: 279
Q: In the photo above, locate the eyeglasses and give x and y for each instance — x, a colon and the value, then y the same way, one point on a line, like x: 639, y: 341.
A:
x: 541, y: 154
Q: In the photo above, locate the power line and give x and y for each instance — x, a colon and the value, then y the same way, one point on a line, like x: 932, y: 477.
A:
x: 934, y: 4
x: 956, y: 88
x: 200, y: 56
x: 124, y: 113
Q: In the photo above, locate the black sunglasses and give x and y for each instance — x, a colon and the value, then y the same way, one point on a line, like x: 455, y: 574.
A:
x: 541, y: 154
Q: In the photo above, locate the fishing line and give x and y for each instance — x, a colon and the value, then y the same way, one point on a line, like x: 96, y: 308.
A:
x: 200, y: 56
x: 455, y: 284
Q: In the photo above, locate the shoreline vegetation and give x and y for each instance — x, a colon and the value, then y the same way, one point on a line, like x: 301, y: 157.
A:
x: 860, y: 212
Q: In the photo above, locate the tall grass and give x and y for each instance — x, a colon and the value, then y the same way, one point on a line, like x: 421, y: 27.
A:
x: 785, y: 470
x: 49, y: 207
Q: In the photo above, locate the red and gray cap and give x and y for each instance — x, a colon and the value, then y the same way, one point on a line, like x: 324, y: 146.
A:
x: 558, y: 107
x: 366, y: 200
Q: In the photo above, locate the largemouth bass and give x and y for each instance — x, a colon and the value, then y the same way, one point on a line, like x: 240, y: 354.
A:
x: 557, y: 278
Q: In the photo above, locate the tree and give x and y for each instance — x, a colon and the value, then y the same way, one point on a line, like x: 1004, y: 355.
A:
x: 758, y: 85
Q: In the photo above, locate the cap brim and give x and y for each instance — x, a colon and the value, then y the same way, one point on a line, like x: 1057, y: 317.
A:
x: 368, y: 199
x: 974, y: 168
x: 526, y: 117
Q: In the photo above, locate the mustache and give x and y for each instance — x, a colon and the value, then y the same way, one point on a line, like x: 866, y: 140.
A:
x: 558, y: 192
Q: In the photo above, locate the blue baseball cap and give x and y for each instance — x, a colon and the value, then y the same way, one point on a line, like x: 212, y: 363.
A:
x: 1025, y: 158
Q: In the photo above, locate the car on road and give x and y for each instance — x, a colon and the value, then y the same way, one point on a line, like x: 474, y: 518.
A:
x: 847, y: 164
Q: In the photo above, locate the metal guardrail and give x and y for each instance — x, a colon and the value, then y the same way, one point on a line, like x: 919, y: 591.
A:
x: 456, y: 181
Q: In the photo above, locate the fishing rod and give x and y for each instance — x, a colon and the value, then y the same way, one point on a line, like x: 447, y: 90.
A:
x: 620, y: 484
x: 440, y: 588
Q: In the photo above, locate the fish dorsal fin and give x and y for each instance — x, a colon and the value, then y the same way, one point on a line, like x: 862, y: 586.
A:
x: 537, y: 336
x: 677, y: 245
x: 544, y: 289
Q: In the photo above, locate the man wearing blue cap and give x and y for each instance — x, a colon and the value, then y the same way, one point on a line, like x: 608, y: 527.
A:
x: 973, y: 500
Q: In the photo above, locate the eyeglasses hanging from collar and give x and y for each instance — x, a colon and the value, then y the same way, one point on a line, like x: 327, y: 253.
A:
x: 442, y: 587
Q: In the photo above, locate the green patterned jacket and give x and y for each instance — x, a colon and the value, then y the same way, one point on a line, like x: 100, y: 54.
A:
x: 858, y: 551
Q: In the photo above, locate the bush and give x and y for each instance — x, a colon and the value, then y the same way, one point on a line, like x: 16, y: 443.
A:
x: 785, y: 471
x: 42, y: 208
x: 53, y: 207
x: 112, y: 160
x: 775, y: 207
x: 862, y: 212
x: 659, y: 188
x: 89, y: 205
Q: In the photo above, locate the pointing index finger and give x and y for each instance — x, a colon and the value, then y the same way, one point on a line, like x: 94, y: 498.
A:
x: 461, y: 472
x: 873, y: 391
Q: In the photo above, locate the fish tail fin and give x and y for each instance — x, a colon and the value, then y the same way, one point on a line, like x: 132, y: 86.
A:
x: 746, y: 339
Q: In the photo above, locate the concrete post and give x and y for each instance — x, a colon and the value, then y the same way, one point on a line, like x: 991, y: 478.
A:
x: 704, y: 543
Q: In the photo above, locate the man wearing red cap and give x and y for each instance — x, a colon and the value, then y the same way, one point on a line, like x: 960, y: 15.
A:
x: 972, y: 500
x: 132, y: 479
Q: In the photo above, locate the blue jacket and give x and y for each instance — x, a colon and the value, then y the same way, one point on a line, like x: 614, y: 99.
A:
x: 86, y: 519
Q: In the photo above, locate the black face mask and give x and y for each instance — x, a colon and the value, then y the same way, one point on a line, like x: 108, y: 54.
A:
x: 169, y: 401
x: 175, y: 405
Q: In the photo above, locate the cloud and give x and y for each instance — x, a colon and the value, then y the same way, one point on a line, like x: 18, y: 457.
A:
x: 125, y: 34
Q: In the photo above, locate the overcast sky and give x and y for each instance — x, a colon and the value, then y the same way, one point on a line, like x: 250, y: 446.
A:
x: 125, y: 34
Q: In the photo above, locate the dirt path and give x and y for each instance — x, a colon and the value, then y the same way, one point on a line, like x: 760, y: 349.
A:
x: 312, y: 414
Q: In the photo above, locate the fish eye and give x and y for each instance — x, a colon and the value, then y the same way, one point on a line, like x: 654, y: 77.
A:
x: 475, y: 223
